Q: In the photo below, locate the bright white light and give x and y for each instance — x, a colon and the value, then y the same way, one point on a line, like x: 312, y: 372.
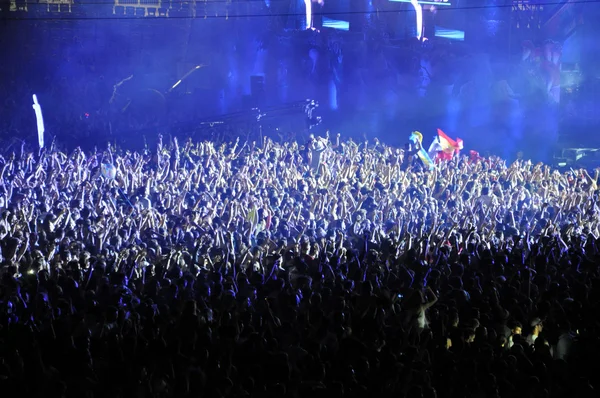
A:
x: 308, y: 6
x: 309, y: 13
x: 419, y: 12
x: 40, y: 121
x: 176, y: 84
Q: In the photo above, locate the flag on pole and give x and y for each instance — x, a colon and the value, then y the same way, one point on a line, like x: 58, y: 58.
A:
x: 448, y: 146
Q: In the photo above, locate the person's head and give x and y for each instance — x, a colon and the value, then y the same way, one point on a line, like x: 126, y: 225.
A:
x: 481, y: 334
x: 537, y: 326
x: 190, y: 308
x: 516, y: 328
x: 453, y: 319
x: 469, y: 336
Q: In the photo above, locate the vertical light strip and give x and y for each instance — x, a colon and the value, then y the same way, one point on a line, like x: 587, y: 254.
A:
x: 40, y: 121
x: 308, y: 6
x: 419, y: 12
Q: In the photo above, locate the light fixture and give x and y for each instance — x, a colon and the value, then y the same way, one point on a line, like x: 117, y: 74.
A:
x: 451, y: 34
x: 430, y: 3
x: 336, y: 24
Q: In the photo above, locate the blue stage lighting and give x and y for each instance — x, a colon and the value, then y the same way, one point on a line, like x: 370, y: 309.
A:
x: 336, y: 24
x: 451, y: 34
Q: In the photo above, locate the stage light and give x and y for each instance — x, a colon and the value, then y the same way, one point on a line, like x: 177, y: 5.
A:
x: 451, y: 34
x: 40, y: 121
x: 419, y: 16
x: 336, y: 24
x: 176, y: 84
x: 429, y: 3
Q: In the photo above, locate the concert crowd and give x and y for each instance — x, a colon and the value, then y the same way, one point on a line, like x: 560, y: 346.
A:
x: 289, y: 270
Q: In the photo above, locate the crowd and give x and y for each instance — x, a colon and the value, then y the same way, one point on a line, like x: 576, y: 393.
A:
x: 264, y: 269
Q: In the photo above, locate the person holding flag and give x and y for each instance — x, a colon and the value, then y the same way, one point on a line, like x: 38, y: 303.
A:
x: 444, y: 147
x: 416, y: 148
